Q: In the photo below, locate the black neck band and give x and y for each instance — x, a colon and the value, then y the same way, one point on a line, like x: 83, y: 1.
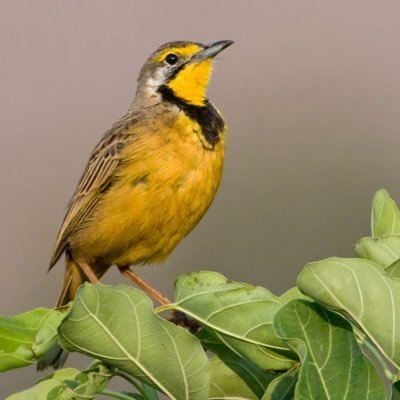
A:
x: 206, y: 116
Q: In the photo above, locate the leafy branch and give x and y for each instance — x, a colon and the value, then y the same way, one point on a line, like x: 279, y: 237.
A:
x: 328, y: 338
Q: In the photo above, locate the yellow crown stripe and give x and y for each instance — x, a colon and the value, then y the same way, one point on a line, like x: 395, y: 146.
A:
x: 188, y: 50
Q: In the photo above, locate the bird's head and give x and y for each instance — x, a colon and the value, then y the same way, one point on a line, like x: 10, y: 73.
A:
x: 182, y: 68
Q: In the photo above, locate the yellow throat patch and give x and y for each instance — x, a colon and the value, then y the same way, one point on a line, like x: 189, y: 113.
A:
x: 191, y: 82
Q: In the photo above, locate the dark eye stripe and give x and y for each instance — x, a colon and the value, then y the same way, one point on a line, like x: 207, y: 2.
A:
x: 174, y: 72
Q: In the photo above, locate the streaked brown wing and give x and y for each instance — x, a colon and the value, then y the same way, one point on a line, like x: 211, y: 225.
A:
x: 97, y: 176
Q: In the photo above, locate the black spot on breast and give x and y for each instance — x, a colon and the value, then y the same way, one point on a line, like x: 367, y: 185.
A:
x: 140, y: 180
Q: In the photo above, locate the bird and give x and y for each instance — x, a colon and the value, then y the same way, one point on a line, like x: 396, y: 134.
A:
x: 152, y: 176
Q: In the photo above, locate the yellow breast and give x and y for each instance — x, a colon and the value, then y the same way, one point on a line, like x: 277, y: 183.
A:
x: 166, y: 183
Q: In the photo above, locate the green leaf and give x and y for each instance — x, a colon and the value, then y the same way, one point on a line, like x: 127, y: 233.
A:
x: 52, y: 384
x: 333, y: 365
x: 68, y: 384
x: 362, y: 290
x: 225, y: 384
x: 255, y: 377
x: 47, y: 333
x: 220, y: 306
x: 282, y: 387
x: 151, y: 394
x: 87, y: 383
x: 117, y: 325
x: 148, y: 393
x: 135, y: 396
x: 25, y: 337
x: 293, y: 294
x: 396, y: 391
x: 385, y: 216
x: 393, y: 270
x: 382, y: 251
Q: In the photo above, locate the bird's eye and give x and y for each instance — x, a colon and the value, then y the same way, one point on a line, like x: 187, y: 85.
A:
x: 171, y: 59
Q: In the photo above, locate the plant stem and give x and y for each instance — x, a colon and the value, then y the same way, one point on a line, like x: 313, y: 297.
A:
x: 165, y: 307
x: 379, y: 358
x: 365, y: 341
x: 116, y: 395
x: 93, y: 365
x: 132, y: 381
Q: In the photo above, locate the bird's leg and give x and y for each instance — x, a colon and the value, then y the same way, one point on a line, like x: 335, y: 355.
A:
x: 155, y: 294
x: 88, y: 271
x: 178, y: 318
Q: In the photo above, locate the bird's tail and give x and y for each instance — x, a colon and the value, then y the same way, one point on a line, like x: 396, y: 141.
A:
x: 73, y: 278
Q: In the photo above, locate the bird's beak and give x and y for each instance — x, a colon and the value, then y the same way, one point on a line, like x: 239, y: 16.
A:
x: 211, y: 50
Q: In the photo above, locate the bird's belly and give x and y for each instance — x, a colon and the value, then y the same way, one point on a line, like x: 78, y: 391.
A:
x: 153, y: 205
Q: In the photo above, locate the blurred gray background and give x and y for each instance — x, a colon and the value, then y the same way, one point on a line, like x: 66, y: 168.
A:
x: 310, y: 91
